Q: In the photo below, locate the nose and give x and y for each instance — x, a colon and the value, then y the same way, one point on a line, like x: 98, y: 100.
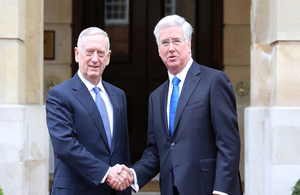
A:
x: 171, y: 46
x: 95, y: 56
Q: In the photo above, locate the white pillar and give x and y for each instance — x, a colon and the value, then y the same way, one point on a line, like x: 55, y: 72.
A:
x: 272, y: 122
x: 24, y: 140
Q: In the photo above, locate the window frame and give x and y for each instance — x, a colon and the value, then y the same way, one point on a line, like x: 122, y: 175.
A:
x: 117, y: 21
x: 171, y: 5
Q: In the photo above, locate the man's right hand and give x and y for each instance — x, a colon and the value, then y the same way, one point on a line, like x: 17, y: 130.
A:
x: 119, y: 177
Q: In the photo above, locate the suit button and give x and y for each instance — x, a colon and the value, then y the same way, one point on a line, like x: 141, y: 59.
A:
x: 173, y: 144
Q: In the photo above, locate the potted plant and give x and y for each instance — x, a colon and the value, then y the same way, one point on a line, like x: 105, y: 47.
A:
x: 296, y: 188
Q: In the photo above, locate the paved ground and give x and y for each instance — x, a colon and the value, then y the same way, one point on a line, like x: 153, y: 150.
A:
x: 146, y: 193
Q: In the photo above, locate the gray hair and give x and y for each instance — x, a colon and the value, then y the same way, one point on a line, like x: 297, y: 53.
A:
x: 174, y: 20
x: 91, y: 31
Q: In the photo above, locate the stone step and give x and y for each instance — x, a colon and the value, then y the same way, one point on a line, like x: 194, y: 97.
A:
x: 151, y: 188
x: 146, y: 193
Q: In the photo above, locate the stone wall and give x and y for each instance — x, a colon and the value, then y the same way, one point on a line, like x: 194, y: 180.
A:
x: 24, y: 150
x: 58, y: 18
x: 272, y: 127
x: 237, y: 40
x: 24, y: 146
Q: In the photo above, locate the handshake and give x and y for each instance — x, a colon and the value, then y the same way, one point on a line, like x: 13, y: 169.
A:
x: 119, y: 177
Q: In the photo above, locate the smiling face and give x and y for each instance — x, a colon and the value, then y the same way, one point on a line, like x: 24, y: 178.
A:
x: 175, y: 57
x: 92, y: 66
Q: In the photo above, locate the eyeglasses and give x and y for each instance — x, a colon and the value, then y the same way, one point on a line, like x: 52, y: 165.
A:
x: 90, y: 52
x: 175, y: 41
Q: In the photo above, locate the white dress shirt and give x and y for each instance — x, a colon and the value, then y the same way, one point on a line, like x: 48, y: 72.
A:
x: 104, y: 96
x: 181, y: 76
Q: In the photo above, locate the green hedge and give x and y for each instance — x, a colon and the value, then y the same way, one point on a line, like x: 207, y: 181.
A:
x: 296, y: 188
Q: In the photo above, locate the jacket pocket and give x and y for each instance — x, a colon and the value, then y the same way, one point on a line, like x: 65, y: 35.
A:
x: 69, y: 183
x: 208, y: 164
x: 193, y: 105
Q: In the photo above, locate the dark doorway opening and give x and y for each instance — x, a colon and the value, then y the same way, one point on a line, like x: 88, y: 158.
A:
x: 137, y: 68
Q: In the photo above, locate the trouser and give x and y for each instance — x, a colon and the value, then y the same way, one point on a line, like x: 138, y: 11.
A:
x: 175, y: 190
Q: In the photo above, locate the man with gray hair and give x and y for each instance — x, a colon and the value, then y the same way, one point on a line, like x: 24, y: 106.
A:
x: 87, y: 123
x: 193, y: 137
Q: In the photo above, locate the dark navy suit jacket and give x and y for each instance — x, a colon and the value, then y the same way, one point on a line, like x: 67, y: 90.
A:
x: 204, y: 151
x: 82, y: 154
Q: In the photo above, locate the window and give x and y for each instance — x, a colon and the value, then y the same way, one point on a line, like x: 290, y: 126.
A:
x: 170, y: 7
x: 116, y: 12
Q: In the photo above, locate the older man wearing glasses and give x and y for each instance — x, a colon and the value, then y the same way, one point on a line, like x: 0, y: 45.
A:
x: 87, y: 122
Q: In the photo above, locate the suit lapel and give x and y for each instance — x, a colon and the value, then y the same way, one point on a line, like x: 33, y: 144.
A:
x: 163, y: 107
x: 192, y: 79
x: 82, y: 94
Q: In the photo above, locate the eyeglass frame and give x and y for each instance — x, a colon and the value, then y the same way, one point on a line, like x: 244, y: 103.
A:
x: 168, y: 42
x: 91, y: 52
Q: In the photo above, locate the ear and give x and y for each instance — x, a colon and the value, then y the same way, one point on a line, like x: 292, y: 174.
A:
x: 108, y: 57
x: 190, y: 45
x: 76, y: 54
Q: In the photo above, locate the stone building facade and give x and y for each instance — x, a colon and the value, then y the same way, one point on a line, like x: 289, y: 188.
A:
x: 261, y: 56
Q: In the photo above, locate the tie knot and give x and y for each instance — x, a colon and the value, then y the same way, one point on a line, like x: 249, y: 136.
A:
x: 96, y: 89
x: 176, y: 81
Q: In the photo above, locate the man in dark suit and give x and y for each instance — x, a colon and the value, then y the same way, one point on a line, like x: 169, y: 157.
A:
x: 193, y: 138
x: 87, y: 122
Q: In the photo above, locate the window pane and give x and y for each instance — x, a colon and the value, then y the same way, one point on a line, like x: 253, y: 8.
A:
x: 123, y: 8
x: 168, y: 11
x: 116, y: 8
x: 170, y: 7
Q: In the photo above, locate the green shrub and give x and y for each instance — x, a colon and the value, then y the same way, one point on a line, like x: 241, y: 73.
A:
x: 296, y: 188
x: 1, y: 191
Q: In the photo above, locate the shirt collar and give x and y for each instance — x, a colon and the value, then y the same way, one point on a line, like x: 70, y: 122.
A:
x: 182, y: 74
x: 89, y: 85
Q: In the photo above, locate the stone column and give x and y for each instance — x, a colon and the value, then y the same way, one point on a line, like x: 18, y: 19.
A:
x: 24, y: 141
x: 272, y: 125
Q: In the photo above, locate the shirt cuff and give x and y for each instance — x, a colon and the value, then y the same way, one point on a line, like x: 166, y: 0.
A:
x: 105, y: 176
x: 219, y: 193
x: 135, y: 185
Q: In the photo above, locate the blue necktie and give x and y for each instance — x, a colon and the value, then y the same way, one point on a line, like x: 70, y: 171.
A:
x: 173, y: 104
x: 103, y: 112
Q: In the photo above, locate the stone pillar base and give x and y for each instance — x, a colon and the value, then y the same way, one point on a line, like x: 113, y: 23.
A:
x: 272, y: 155
x: 24, y: 150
